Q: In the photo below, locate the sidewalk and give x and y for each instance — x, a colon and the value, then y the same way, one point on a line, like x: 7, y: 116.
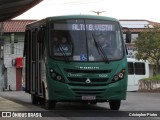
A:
x: 16, y: 101
x: 16, y: 96
x: 19, y: 101
x: 7, y: 105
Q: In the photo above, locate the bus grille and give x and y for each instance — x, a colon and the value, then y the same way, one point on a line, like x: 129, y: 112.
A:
x: 87, y: 71
x: 88, y: 91
x: 80, y: 86
x: 93, y: 80
x: 81, y: 82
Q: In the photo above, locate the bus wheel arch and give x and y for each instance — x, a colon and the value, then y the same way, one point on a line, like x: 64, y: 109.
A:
x: 49, y: 104
x: 42, y: 98
x: 44, y: 90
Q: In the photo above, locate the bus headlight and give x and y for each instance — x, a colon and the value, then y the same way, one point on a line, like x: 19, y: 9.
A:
x: 119, y: 76
x: 53, y: 75
x: 59, y: 77
x: 115, y: 78
x: 56, y: 76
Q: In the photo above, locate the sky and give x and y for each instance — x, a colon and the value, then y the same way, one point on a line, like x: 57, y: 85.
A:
x: 119, y: 9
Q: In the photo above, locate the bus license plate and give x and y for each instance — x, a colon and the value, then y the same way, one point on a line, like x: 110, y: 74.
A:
x: 88, y: 97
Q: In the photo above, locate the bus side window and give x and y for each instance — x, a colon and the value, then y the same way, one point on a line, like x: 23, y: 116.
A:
x: 139, y: 68
x: 130, y: 68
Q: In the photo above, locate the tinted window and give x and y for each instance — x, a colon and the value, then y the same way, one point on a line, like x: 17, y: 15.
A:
x: 85, y: 40
x: 130, y: 68
x: 139, y: 68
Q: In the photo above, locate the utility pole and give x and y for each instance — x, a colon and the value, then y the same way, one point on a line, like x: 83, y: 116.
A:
x: 1, y: 57
x: 98, y: 12
x: 1, y: 42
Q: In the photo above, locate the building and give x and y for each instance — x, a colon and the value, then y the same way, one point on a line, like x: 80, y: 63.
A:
x: 12, y: 50
x: 13, y: 36
x: 8, y: 10
x: 136, y: 27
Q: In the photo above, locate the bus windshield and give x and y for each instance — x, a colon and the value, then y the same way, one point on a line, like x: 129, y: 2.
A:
x: 85, y: 40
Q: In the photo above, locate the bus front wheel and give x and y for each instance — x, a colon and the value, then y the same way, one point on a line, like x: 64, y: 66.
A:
x: 114, y: 104
x: 50, y: 104
x: 34, y: 99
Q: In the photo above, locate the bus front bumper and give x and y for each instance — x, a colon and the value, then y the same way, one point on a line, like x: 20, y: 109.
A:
x: 63, y: 92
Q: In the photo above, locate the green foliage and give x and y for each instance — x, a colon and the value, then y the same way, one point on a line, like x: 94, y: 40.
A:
x: 148, y: 46
x: 157, y: 77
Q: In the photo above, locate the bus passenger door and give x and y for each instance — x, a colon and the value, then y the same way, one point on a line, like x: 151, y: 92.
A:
x: 33, y: 62
x: 36, y: 62
x: 40, y: 51
x: 27, y: 61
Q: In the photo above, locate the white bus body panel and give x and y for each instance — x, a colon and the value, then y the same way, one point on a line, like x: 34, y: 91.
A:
x: 133, y: 79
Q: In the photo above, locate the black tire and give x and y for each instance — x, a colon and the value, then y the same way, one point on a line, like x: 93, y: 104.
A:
x: 50, y: 104
x: 34, y: 99
x: 114, y: 104
x: 41, y: 101
x: 93, y: 102
x: 85, y: 102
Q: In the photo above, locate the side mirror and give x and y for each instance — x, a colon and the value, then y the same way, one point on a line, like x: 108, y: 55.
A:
x: 126, y: 50
x: 128, y: 36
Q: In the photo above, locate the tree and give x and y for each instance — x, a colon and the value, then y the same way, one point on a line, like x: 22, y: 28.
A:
x: 148, y: 46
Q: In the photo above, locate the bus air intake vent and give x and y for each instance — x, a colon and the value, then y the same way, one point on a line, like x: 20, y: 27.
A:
x: 93, y: 80
x: 86, y: 71
x: 88, y: 91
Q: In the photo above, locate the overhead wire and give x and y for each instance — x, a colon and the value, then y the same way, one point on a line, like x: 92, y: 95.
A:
x: 77, y: 2
x: 83, y: 1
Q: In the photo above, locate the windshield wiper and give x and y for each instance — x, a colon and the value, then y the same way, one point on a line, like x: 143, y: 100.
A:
x: 100, y: 49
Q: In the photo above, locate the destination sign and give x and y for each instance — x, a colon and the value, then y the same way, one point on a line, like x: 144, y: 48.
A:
x: 92, y: 27
x: 82, y: 27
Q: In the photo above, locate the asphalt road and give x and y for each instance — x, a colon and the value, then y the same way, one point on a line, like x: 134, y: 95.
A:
x: 144, y: 106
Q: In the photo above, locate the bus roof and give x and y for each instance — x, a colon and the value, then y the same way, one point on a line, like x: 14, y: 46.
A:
x: 48, y: 19
x: 82, y: 17
x: 135, y: 60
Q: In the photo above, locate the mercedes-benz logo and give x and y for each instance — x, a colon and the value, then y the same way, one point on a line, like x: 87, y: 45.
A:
x: 88, y: 80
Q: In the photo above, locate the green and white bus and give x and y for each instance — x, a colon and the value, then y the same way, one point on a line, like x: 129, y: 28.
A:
x: 76, y: 58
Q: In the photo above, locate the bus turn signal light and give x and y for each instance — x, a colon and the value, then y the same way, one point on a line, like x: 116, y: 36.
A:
x: 56, y: 76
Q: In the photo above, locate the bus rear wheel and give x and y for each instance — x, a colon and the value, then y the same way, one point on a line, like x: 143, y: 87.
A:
x: 114, y: 104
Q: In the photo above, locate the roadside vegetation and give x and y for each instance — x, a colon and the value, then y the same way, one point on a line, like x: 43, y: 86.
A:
x: 148, y: 47
x: 157, y: 77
